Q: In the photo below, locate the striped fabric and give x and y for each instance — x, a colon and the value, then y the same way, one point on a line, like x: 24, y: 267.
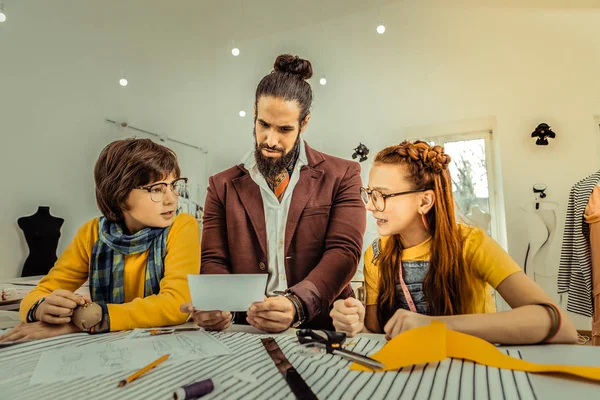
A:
x: 327, y: 375
x: 575, y: 269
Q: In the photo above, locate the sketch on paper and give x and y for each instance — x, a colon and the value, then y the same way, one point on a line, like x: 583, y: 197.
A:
x: 115, y: 359
x: 68, y: 363
x: 123, y: 356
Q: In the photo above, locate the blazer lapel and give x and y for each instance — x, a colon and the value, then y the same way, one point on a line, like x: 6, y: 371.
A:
x: 249, y: 193
x: 303, y: 191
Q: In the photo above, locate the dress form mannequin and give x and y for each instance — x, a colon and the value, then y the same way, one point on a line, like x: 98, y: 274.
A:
x: 540, y: 219
x: 42, y: 232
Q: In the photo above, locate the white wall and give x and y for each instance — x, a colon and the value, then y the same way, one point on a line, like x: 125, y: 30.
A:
x: 439, y: 65
x: 60, y: 61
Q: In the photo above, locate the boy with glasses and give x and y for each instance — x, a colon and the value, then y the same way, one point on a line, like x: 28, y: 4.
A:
x: 137, y: 255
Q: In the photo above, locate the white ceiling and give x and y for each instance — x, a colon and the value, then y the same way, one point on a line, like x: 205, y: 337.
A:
x: 549, y: 4
x: 256, y: 18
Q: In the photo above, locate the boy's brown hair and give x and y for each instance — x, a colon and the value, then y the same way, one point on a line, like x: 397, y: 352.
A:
x: 127, y: 164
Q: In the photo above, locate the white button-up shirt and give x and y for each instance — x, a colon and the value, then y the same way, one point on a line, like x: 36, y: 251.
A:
x: 276, y: 214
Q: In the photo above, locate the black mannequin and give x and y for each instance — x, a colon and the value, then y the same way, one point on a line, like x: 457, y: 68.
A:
x: 42, y: 232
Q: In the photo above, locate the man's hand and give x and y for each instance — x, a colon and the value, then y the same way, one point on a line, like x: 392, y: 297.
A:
x: 209, y: 320
x: 37, y: 330
x: 274, y: 314
x: 58, y: 307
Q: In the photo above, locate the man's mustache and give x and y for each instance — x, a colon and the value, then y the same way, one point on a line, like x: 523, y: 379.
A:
x: 267, y: 147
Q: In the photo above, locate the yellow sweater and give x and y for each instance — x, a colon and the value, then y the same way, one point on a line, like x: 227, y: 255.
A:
x: 182, y: 258
x: 488, y: 260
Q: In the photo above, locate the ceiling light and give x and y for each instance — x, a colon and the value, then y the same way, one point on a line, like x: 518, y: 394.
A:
x: 2, y: 15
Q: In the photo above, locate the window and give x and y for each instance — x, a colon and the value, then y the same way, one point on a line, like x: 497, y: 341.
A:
x: 472, y: 178
x: 471, y: 171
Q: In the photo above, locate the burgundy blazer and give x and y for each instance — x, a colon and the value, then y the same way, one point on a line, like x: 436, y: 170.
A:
x: 323, y: 236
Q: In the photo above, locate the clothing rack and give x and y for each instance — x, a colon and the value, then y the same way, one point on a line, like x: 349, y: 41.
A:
x: 162, y: 138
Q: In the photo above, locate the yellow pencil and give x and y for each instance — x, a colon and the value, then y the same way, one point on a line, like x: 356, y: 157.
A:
x: 142, y: 371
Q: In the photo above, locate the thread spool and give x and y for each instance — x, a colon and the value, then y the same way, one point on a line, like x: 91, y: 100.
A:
x: 194, y: 390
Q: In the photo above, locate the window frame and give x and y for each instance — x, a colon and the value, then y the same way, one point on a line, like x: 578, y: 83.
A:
x: 487, y: 136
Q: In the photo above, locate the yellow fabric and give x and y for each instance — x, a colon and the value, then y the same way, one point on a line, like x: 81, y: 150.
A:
x: 482, y: 253
x: 592, y: 210
x: 435, y: 343
x: 592, y: 217
x: 182, y: 258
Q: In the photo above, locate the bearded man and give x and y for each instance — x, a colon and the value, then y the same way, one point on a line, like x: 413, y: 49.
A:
x: 286, y: 210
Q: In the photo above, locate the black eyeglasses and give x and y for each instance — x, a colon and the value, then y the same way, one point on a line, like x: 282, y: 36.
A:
x: 378, y: 198
x: 158, y: 190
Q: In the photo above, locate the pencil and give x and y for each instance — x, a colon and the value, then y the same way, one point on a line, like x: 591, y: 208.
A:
x: 155, y: 332
x: 142, y: 371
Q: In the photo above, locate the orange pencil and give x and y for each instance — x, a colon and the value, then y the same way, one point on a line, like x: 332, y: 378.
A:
x: 142, y: 371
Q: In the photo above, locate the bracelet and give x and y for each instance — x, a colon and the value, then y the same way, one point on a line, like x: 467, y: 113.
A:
x: 32, y: 310
x: 556, y: 320
x: 300, y: 316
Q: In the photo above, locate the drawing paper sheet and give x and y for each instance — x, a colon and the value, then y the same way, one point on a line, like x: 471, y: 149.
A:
x: 26, y: 282
x: 227, y: 292
x: 124, y: 356
x: 145, y: 333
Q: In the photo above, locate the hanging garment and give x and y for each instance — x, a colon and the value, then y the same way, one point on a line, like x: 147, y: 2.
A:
x: 592, y: 217
x: 575, y: 269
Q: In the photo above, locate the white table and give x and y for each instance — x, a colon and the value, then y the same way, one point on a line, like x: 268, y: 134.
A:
x: 23, y: 289
x: 27, y: 284
x: 327, y: 375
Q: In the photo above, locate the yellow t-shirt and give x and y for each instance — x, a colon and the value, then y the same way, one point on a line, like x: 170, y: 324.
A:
x: 182, y: 258
x: 481, y: 253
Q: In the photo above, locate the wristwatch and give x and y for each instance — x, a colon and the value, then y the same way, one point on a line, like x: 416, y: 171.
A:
x: 300, y: 316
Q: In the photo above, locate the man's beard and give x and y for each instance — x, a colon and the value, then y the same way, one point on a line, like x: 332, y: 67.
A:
x: 270, y: 167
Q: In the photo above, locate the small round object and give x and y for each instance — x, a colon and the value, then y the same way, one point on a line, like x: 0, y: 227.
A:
x: 87, y: 316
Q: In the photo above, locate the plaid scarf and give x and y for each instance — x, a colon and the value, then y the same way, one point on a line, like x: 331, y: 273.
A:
x: 282, y: 179
x: 108, y: 260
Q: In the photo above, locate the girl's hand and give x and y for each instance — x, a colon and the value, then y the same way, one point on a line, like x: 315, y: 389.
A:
x: 404, y: 320
x: 348, y: 316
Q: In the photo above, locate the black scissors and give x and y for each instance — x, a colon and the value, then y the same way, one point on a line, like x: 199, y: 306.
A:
x: 332, y: 343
